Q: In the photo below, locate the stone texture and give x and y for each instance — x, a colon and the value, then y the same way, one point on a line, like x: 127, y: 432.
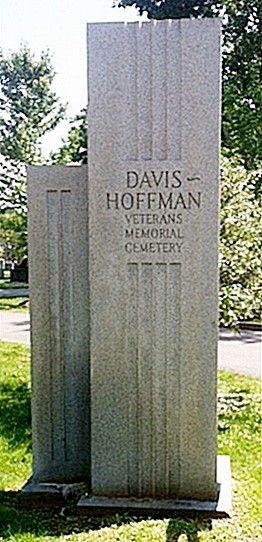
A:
x: 58, y: 258
x: 154, y: 109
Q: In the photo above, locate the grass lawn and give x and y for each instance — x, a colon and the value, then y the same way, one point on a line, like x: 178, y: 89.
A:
x: 239, y: 419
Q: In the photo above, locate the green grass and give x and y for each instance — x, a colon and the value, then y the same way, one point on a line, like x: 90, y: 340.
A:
x: 16, y: 304
x: 238, y: 436
x: 15, y: 445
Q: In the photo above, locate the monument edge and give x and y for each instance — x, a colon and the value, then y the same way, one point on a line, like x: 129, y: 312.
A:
x: 161, y: 508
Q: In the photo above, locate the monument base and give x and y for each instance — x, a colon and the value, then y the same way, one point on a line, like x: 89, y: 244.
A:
x: 49, y: 495
x: 221, y: 508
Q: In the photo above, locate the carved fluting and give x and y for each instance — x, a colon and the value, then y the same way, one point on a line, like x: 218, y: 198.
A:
x: 60, y: 314
x: 151, y: 114
x: 153, y: 357
x: 59, y: 318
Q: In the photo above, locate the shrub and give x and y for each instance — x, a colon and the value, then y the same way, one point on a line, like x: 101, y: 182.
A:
x: 240, y: 275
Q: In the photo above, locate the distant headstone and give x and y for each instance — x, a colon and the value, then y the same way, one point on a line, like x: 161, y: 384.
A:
x: 20, y: 272
x: 8, y: 266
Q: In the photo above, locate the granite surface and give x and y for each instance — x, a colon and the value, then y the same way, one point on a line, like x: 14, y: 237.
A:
x: 59, y: 305
x: 154, y: 125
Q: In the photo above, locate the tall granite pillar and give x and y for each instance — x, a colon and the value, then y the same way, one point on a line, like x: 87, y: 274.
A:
x: 154, y: 126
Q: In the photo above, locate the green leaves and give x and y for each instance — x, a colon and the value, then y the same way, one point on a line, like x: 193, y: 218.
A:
x: 12, y: 185
x: 13, y: 233
x: 74, y: 149
x: 240, y: 245
x: 28, y: 106
x: 29, y: 109
x: 171, y: 9
x: 242, y: 91
x: 242, y: 65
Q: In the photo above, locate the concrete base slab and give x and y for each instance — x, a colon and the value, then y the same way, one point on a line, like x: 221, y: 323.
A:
x: 49, y: 495
x: 221, y: 508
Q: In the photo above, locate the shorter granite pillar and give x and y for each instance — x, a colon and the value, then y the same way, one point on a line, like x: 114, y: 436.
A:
x: 58, y: 261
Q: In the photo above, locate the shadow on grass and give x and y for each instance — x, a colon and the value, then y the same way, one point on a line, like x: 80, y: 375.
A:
x: 65, y: 521
x: 6, y: 305
x: 15, y: 418
x: 189, y: 528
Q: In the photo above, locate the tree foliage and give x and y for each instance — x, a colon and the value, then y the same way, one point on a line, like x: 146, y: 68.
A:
x: 242, y: 90
x: 171, y: 9
x: 240, y: 244
x: 74, y: 148
x: 13, y: 233
x: 242, y: 30
x: 12, y: 185
x: 29, y: 108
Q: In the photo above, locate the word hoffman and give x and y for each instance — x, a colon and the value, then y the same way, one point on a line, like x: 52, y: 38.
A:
x: 166, y: 197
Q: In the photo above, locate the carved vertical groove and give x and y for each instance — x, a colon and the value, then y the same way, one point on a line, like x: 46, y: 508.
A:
x: 60, y: 299
x: 66, y: 310
x: 54, y: 349
x: 144, y: 91
x: 134, y: 475
x: 159, y: 384
x: 130, y: 94
x: 174, y: 90
x: 151, y: 108
x: 145, y: 363
x: 159, y: 91
x: 153, y: 358
x: 173, y: 378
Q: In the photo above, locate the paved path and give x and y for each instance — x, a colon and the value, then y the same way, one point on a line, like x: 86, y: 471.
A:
x: 236, y: 353
x: 15, y: 327
x: 240, y: 353
x: 13, y: 292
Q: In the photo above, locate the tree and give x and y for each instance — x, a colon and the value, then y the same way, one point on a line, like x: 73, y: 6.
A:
x: 171, y: 9
x: 13, y: 233
x: 242, y: 91
x: 240, y: 266
x: 12, y: 185
x: 29, y: 108
x: 242, y: 29
x: 74, y: 149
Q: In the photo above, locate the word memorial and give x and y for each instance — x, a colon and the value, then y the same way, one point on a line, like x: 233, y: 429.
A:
x: 123, y: 261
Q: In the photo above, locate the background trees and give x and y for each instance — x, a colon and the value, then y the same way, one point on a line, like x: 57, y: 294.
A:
x: 242, y: 90
x: 171, y: 9
x: 13, y: 233
x: 29, y: 109
x: 240, y: 266
x: 74, y: 148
